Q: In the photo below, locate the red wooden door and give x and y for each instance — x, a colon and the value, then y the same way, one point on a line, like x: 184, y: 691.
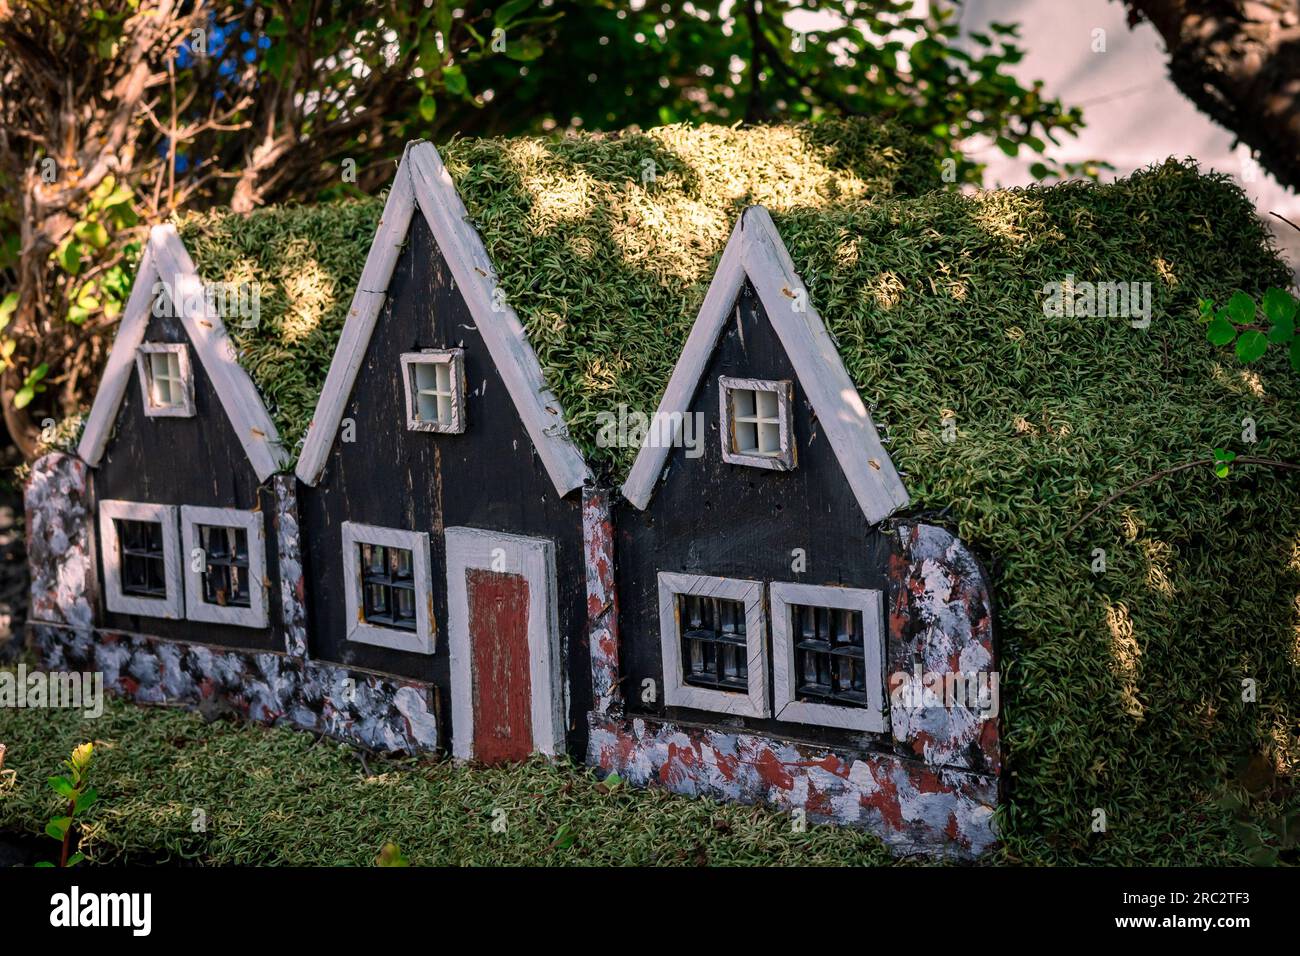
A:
x: 501, y: 687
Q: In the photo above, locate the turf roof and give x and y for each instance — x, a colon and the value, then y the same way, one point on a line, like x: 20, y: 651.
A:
x: 668, y: 197
x: 1122, y: 690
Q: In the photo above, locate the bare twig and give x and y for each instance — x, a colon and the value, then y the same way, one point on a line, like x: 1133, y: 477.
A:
x: 1175, y: 469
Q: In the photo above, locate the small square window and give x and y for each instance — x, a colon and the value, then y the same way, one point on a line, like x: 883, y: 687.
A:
x: 225, y: 572
x: 166, y: 384
x: 713, y: 642
x: 387, y: 587
x: 827, y: 649
x: 225, y: 566
x: 829, y: 664
x: 757, y: 429
x: 713, y: 634
x: 435, y: 391
x: 140, y: 549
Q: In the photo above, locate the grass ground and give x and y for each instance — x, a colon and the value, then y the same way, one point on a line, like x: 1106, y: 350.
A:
x: 277, y: 796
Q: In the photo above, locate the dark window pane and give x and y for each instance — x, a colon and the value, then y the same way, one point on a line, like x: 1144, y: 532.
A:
x: 829, y: 659
x: 714, y: 652
x: 140, y: 556
x: 225, y: 575
x: 388, y: 588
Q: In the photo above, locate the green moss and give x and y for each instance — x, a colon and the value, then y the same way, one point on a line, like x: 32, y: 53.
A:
x: 307, y: 261
x: 279, y: 797
x: 532, y: 193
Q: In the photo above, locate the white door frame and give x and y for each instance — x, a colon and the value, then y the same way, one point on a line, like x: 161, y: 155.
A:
x: 534, y: 560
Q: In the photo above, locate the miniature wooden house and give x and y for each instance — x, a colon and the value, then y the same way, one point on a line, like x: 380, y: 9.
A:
x: 440, y: 570
x: 442, y: 501
x: 182, y: 452
x: 767, y: 611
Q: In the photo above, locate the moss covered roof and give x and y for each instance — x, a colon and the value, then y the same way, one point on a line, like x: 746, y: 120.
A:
x: 666, y: 199
x: 1121, y: 689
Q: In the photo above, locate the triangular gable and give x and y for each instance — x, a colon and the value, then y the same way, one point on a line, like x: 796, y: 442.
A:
x: 756, y: 251
x: 165, y: 259
x: 422, y: 182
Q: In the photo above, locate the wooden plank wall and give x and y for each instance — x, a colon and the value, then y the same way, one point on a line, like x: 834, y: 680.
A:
x: 186, y: 461
x: 488, y: 478
x: 707, y: 517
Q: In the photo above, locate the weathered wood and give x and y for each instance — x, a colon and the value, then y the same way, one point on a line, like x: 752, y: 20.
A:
x: 785, y: 706
x: 422, y: 174
x: 501, y: 689
x: 196, y: 461
x: 121, y: 361
x: 170, y: 605
x: 196, y: 608
x: 500, y: 327
x: 714, y: 519
x: 207, y: 334
x: 533, y: 560
x: 677, y: 693
x: 423, y: 640
x: 488, y: 478
x: 367, y: 302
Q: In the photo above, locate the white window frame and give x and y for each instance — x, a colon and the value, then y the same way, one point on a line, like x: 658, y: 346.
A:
x: 360, y: 631
x: 677, y: 693
x: 454, y: 359
x: 784, y: 680
x: 196, y: 608
x: 173, y: 604
x: 144, y: 368
x: 784, y: 459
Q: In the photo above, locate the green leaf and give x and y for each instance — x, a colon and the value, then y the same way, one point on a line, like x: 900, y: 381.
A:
x: 1295, y: 355
x: 454, y: 80
x: 92, y: 233
x: 7, y: 307
x: 1279, y: 305
x: 69, y: 256
x: 1283, y: 331
x: 525, y: 49
x: 1223, y: 459
x: 1251, y: 345
x: 62, y: 786
x: 86, y: 800
x: 509, y: 11
x: 1220, y: 331
x: 428, y: 107
x: 277, y: 27
x: 564, y: 838
x: 45, y: 863
x: 1007, y: 146
x: 118, y: 196
x: 76, y: 858
x: 1241, y: 308
x: 276, y: 58
x: 58, y: 827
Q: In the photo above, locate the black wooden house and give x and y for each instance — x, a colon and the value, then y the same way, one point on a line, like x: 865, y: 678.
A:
x: 183, y: 452
x: 751, y: 573
x: 442, y: 513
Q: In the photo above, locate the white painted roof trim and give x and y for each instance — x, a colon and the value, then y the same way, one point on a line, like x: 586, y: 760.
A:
x: 166, y: 259
x: 755, y: 250
x: 423, y: 182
